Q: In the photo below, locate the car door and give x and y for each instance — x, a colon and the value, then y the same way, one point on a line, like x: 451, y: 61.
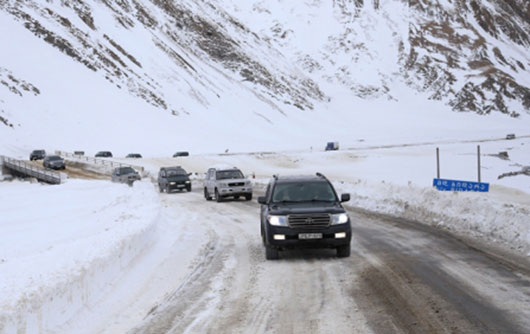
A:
x: 210, y: 180
x: 163, y: 178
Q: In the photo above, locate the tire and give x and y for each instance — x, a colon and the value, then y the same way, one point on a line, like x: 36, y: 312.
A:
x: 188, y: 188
x: 271, y: 253
x: 218, y: 198
x: 344, y: 251
x: 248, y: 197
x: 167, y: 189
x: 160, y: 188
x: 206, y: 195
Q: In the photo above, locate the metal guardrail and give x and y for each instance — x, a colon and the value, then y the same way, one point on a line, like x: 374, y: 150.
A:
x: 108, y: 164
x: 29, y: 169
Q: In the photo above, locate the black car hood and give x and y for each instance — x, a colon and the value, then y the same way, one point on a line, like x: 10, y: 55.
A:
x: 305, y: 207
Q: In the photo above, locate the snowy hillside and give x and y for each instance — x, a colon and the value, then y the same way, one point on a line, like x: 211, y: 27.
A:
x: 221, y: 74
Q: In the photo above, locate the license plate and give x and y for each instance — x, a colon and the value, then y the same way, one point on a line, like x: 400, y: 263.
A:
x: 180, y: 186
x: 310, y: 236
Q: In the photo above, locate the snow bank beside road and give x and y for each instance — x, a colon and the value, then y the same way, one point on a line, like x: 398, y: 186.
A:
x: 63, y: 246
x: 476, y: 215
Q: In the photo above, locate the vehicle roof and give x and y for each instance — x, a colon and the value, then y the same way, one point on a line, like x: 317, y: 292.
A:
x: 299, y: 178
x: 172, y: 167
x: 223, y: 167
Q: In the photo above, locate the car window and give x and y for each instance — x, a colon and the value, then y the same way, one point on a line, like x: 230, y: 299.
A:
x: 229, y: 174
x: 303, y: 192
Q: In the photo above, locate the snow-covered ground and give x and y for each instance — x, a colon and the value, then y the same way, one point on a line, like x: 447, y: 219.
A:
x: 63, y: 246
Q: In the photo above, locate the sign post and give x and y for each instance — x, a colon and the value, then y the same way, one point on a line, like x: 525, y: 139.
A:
x: 457, y: 185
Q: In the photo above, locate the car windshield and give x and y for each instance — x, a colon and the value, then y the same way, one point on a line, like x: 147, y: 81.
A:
x: 229, y: 174
x: 54, y: 157
x: 176, y: 172
x: 303, y: 192
x: 127, y: 170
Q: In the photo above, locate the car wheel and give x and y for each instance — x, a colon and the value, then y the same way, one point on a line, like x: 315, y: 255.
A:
x: 188, y: 188
x: 271, y: 253
x: 206, y: 195
x: 344, y: 251
x: 167, y: 189
x: 160, y: 188
x: 248, y: 197
x: 218, y: 197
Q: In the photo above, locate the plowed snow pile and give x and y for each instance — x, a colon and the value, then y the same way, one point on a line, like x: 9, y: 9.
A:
x: 63, y: 246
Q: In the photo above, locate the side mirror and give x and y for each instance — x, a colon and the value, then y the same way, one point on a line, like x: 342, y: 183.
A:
x: 262, y: 200
x: 189, y: 174
x: 344, y: 197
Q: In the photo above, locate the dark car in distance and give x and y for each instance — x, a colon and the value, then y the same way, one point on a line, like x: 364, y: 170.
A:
x: 173, y: 178
x: 125, y: 175
x: 103, y: 154
x: 134, y: 156
x: 303, y: 212
x: 181, y: 154
x: 37, y: 155
x: 54, y: 162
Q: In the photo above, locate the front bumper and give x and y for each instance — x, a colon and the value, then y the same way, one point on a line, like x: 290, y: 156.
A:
x: 235, y: 191
x: 178, y: 185
x: 329, y: 237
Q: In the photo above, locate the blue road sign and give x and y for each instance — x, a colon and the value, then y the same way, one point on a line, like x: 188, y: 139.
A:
x: 455, y: 185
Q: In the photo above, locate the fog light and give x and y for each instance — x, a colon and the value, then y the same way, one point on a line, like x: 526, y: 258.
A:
x: 279, y: 237
x: 340, y: 235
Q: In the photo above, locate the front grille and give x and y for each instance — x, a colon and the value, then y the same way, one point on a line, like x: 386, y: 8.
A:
x: 316, y: 220
x: 236, y: 184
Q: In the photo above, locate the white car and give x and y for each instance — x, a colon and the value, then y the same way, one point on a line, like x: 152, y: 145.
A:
x: 223, y: 182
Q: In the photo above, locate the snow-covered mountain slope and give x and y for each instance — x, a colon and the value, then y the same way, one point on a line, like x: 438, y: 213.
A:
x: 159, y: 76
x: 473, y: 55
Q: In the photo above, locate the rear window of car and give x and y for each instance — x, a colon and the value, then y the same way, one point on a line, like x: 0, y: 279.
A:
x: 54, y: 157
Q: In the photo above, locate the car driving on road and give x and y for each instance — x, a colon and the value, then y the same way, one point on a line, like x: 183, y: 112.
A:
x: 104, y: 154
x: 224, y: 182
x: 125, y: 175
x: 37, y: 155
x: 181, y: 154
x: 303, y: 212
x: 134, y: 156
x: 173, y: 178
x: 54, y: 162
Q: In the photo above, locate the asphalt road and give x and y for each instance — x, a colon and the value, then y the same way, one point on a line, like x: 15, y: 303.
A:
x: 402, y: 277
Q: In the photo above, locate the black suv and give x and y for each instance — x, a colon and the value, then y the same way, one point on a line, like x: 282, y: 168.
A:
x: 103, y: 154
x: 37, y: 155
x: 303, y: 212
x: 173, y: 178
x: 54, y: 162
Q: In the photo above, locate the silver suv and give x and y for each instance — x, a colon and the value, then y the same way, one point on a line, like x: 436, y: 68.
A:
x: 125, y: 175
x: 226, y: 182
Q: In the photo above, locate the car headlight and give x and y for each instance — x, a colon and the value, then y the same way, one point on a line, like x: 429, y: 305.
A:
x: 340, y: 218
x: 277, y: 220
x: 188, y: 182
x: 172, y: 183
x: 247, y: 183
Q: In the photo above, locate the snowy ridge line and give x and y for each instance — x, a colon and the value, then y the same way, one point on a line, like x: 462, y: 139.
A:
x: 108, y: 165
x: 23, y: 167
